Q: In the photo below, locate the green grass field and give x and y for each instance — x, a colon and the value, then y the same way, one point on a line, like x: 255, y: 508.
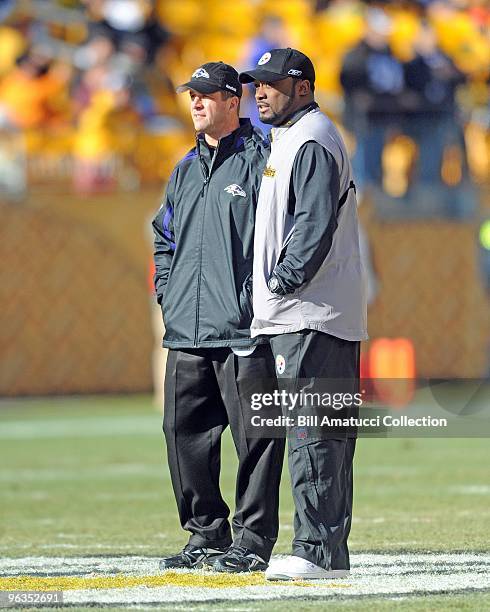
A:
x: 88, y: 476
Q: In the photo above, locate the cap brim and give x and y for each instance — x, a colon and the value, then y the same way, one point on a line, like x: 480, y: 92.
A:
x: 200, y: 86
x: 264, y: 76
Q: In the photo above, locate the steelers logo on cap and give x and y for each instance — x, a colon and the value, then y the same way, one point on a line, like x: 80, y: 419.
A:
x: 264, y: 59
x: 280, y: 364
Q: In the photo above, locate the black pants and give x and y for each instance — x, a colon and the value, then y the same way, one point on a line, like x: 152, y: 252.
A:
x: 204, y: 392
x: 320, y: 468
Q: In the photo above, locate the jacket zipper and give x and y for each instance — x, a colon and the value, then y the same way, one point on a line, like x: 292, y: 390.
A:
x: 204, y: 192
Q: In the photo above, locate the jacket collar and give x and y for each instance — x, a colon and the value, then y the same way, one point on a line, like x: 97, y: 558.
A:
x: 230, y: 142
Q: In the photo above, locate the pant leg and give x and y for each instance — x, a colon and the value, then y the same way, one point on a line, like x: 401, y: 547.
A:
x: 340, y: 557
x: 320, y: 469
x: 256, y: 520
x: 319, y: 492
x: 194, y: 419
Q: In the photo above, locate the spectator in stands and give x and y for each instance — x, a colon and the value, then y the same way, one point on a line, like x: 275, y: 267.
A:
x: 374, y: 86
x: 103, y: 96
x: 33, y: 93
x: 432, y: 121
x: 461, y: 36
x: 272, y: 35
x: 131, y: 25
x: 98, y: 50
x: 124, y: 36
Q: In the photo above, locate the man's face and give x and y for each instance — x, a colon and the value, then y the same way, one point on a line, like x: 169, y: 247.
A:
x: 208, y: 111
x: 277, y: 100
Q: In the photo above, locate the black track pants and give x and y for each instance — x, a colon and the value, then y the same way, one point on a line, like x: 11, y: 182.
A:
x: 205, y: 390
x: 320, y: 468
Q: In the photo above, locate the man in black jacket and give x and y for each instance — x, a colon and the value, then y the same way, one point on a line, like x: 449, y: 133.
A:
x: 203, y: 256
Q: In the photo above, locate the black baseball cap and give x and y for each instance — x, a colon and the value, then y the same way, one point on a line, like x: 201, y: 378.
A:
x: 279, y: 64
x: 212, y: 77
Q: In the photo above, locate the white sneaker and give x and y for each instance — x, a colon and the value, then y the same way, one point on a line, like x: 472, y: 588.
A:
x: 296, y: 568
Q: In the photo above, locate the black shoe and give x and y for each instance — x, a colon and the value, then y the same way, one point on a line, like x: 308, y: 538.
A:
x: 240, y: 559
x: 192, y: 557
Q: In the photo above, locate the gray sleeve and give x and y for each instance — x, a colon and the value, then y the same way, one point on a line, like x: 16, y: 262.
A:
x: 313, y: 200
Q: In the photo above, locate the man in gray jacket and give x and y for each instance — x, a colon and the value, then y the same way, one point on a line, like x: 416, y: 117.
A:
x: 308, y: 299
x: 203, y: 258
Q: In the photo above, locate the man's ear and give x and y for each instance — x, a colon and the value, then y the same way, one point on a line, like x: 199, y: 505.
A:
x: 304, y: 88
x: 234, y: 103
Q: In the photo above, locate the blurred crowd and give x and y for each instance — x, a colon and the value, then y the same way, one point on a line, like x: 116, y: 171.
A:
x: 87, y: 86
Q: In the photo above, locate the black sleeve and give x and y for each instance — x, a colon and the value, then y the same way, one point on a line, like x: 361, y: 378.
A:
x: 163, y: 230
x: 314, y: 201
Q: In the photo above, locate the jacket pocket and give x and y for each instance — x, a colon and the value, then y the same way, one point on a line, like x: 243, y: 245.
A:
x: 167, y: 298
x: 164, y: 300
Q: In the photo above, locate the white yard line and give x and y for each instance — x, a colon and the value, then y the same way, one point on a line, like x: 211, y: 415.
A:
x: 471, y: 490
x: 383, y: 587
x: 382, y: 563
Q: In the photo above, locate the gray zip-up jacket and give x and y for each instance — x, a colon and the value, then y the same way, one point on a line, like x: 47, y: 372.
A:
x: 320, y: 286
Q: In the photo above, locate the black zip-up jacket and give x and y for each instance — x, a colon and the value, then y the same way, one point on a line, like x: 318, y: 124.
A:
x: 204, y: 235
